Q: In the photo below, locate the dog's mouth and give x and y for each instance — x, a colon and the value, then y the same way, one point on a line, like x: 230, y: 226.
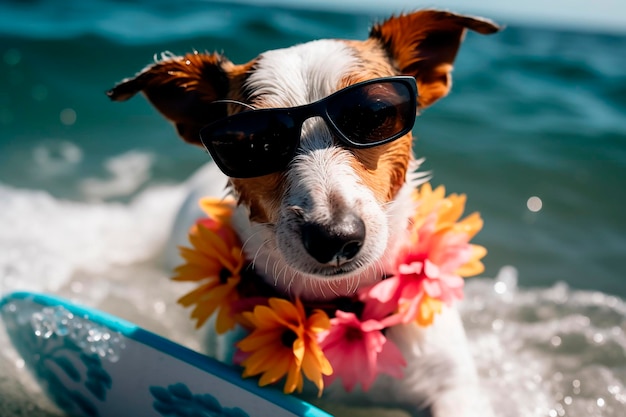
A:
x: 334, y: 272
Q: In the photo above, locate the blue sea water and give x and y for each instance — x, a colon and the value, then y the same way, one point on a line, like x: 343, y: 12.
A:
x: 534, y: 131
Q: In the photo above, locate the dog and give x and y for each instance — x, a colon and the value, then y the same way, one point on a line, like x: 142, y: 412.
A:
x: 323, y: 209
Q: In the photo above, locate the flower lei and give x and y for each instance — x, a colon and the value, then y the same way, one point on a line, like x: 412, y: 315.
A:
x: 346, y: 338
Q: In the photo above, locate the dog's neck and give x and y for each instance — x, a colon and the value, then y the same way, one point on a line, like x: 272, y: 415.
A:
x: 268, y: 263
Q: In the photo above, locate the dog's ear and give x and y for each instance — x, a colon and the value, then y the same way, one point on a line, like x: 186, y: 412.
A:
x: 424, y: 44
x: 182, y: 88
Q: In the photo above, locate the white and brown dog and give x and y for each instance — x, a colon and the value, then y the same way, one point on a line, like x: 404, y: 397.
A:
x: 323, y: 188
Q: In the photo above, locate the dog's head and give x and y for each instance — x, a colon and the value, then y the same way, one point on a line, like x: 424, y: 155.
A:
x: 324, y: 218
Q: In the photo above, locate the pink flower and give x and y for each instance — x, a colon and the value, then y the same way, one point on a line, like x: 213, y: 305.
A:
x: 357, y: 349
x: 381, y: 301
x: 427, y: 272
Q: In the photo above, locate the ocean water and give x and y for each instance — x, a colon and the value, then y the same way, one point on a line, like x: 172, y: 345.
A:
x: 534, y: 132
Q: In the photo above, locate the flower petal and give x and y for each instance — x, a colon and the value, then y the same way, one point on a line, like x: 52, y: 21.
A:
x: 391, y: 361
x: 259, y: 339
x: 474, y: 266
x: 470, y: 225
x: 318, y: 321
x: 218, y: 209
x: 294, y: 379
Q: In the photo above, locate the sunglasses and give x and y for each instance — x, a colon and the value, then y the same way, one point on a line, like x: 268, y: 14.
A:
x: 259, y: 142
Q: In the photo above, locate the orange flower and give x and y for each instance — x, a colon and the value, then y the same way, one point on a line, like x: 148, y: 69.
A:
x: 284, y: 342
x: 215, y: 260
x: 428, y: 308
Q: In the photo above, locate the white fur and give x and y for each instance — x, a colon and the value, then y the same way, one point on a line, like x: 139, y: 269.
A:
x: 300, y: 74
x: 440, y: 372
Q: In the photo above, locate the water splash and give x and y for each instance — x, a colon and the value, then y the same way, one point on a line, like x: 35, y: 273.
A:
x: 127, y: 172
x: 548, y: 351
x: 90, y: 337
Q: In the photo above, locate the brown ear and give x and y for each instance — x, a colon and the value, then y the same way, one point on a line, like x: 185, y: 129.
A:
x: 424, y: 44
x: 182, y: 88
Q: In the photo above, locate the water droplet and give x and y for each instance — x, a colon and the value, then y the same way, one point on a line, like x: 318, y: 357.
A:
x: 90, y: 337
x: 68, y: 116
x: 600, y: 402
x: 19, y: 363
x: 555, y: 341
x: 60, y: 319
x: 576, y: 386
x: 497, y: 325
x: 41, y: 325
x: 567, y: 400
x: 614, y: 389
x: 560, y: 410
x: 506, y: 281
x: 534, y: 204
x: 79, y: 332
x: 94, y: 335
x: 598, y: 338
x: 499, y: 287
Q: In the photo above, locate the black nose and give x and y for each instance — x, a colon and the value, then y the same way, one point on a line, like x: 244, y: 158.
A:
x: 336, y: 242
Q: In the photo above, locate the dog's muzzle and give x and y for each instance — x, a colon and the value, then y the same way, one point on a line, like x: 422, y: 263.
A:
x: 336, y: 242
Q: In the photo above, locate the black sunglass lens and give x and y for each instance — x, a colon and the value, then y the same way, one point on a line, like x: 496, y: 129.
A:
x: 251, y: 144
x: 373, y: 113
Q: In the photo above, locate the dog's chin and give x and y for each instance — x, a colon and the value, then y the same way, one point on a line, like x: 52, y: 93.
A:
x: 324, y: 282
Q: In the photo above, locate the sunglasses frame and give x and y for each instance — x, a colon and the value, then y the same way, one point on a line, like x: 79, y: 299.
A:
x: 300, y: 114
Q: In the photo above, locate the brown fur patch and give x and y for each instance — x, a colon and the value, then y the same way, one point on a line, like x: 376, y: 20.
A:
x: 237, y: 76
x: 424, y: 44
x: 182, y: 88
x: 383, y: 168
x: 262, y: 195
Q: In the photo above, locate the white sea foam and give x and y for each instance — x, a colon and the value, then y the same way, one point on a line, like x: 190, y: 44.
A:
x: 127, y: 172
x: 541, y: 352
x: 550, y: 351
x: 56, y: 158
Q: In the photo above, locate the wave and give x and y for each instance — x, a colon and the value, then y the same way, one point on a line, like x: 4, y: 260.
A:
x: 547, y: 351
x: 146, y: 21
x: 152, y: 21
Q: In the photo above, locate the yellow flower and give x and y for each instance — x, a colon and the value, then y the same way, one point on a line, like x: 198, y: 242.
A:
x: 215, y: 261
x: 447, y: 209
x: 284, y: 342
